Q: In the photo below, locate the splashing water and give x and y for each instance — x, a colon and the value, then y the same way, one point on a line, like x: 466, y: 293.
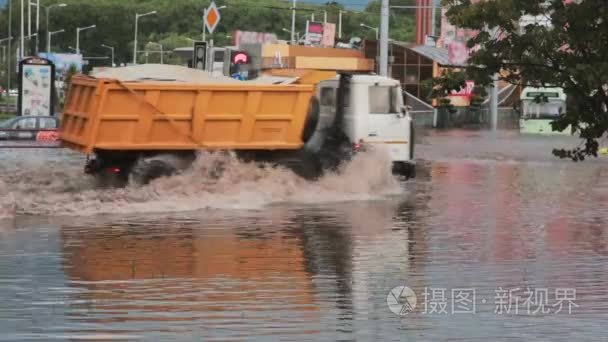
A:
x: 239, y: 185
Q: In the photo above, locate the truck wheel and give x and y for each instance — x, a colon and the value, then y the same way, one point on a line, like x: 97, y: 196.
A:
x: 146, y: 170
x: 312, y: 120
x: 406, y: 169
x: 306, y: 165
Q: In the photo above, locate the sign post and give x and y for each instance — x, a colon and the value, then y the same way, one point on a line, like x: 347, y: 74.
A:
x: 36, y: 87
x: 212, y: 18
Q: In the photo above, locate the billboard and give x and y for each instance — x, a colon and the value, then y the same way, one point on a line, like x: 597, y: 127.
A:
x: 247, y: 38
x: 455, y: 39
x: 63, y: 61
x: 329, y: 35
x: 314, y: 33
x: 36, y: 87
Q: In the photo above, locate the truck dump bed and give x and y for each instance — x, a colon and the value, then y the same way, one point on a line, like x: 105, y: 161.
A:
x: 108, y: 114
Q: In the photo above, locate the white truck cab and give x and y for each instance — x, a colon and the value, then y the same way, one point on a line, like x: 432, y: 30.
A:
x: 373, y: 115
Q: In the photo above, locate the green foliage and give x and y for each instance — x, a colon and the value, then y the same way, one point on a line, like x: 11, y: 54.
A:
x: 570, y: 54
x: 443, y: 85
x: 72, y: 70
x: 177, y: 21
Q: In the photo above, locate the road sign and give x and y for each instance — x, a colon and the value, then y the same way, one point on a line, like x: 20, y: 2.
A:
x: 212, y: 17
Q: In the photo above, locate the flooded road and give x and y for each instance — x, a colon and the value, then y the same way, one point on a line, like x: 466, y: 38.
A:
x: 497, y: 239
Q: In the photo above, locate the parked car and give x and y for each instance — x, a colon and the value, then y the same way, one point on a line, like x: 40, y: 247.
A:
x: 27, y: 127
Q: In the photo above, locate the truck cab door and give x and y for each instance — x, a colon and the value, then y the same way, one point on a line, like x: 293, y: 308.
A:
x: 387, y: 123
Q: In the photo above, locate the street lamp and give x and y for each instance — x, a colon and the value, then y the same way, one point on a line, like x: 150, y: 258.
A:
x: 297, y: 34
x: 51, y: 37
x: 161, y: 50
x: 48, y: 10
x: 78, y: 29
x: 137, y: 16
x: 372, y: 28
x: 204, y: 26
x: 29, y: 38
x: 340, y: 23
x: 3, y: 47
x: 111, y: 48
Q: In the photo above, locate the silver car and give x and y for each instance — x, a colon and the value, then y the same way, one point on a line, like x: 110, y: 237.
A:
x: 26, y: 127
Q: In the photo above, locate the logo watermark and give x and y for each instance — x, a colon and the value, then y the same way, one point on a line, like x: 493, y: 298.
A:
x: 402, y: 300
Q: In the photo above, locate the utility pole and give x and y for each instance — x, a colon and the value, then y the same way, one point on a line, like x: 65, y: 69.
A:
x: 22, y: 30
x: 10, y: 34
x: 204, y: 26
x: 293, y: 22
x: 29, y: 18
x: 37, y: 25
x: 384, y: 25
x: 494, y: 103
x: 340, y: 24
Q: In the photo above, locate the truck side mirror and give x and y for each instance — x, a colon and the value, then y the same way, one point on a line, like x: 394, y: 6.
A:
x: 405, y: 110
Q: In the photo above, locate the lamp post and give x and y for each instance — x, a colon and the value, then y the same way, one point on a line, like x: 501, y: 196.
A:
x: 3, y: 47
x: 205, y: 27
x: 293, y: 22
x: 161, y: 50
x: 340, y: 23
x: 137, y: 16
x: 29, y: 44
x: 112, y: 49
x: 51, y: 37
x: 78, y: 29
x: 297, y: 34
x: 48, y: 10
x: 372, y: 28
x: 377, y: 43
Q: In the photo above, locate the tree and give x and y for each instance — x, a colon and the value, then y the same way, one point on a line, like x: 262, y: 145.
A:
x: 72, y: 70
x: 566, y: 46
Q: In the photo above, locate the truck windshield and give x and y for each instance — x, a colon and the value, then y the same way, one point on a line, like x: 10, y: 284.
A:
x: 383, y: 99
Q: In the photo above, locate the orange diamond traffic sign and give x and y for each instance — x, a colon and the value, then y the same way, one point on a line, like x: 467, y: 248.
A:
x: 212, y: 17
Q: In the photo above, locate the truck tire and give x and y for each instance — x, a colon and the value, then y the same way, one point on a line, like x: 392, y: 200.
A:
x: 146, y: 170
x: 406, y: 169
x: 312, y: 120
x: 306, y: 165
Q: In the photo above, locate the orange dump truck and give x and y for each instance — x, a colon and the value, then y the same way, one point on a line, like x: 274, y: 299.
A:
x: 141, y: 130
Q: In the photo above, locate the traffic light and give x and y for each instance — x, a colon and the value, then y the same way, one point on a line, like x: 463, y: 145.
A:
x: 238, y: 58
x: 199, y: 58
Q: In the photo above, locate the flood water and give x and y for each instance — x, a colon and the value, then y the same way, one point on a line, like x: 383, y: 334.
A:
x: 497, y: 239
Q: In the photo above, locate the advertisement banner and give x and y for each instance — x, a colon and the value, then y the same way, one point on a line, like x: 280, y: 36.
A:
x: 314, y: 33
x: 467, y: 91
x: 329, y: 35
x: 63, y: 62
x: 36, y: 88
x: 455, y: 39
